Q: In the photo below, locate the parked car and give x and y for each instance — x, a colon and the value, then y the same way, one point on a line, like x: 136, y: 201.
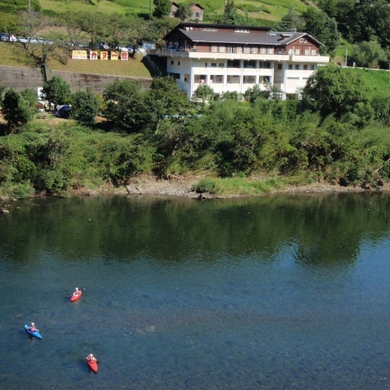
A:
x: 32, y: 40
x: 4, y: 37
x: 22, y: 40
x: 103, y: 46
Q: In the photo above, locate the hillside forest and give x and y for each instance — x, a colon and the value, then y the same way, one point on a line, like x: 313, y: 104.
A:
x: 337, y: 132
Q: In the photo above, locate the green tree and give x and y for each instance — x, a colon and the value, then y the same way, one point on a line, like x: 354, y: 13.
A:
x: 166, y: 100
x: 182, y: 12
x: 231, y: 16
x: 33, y: 23
x: 204, y: 93
x: 126, y: 108
x: 324, y: 28
x: 292, y: 21
x: 57, y: 90
x: 329, y: 6
x: 333, y: 90
x: 85, y: 106
x: 16, y: 109
x: 368, y: 54
x: 161, y: 8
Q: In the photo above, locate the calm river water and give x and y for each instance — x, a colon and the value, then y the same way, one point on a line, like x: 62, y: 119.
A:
x: 281, y: 292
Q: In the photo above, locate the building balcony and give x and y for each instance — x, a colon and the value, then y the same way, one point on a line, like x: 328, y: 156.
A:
x: 282, y: 57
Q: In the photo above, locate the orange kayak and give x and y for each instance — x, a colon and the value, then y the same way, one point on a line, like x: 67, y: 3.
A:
x: 92, y: 364
x: 76, y: 297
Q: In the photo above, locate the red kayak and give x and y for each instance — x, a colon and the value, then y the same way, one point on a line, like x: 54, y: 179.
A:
x: 75, y: 297
x: 92, y: 364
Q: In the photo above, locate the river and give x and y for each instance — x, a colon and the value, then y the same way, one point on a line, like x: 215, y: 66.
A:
x: 277, y: 292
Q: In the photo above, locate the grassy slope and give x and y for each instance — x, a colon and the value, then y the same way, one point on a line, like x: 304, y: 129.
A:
x: 14, y: 55
x: 269, y: 11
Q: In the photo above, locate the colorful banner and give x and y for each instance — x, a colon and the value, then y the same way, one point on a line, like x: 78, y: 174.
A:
x: 114, y: 56
x: 124, y: 55
x: 93, y: 55
x: 79, y: 55
x: 104, y: 55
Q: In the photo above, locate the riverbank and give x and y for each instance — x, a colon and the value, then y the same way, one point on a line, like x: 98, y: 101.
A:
x: 184, y: 187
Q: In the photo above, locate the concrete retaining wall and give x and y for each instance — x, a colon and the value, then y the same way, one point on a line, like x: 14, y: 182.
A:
x: 32, y: 78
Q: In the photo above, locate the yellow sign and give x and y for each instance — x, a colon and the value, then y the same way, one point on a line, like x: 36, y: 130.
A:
x: 93, y: 55
x: 114, y: 55
x: 104, y: 55
x: 79, y: 55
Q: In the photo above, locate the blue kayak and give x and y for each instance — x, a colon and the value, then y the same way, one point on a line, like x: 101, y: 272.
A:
x: 34, y: 334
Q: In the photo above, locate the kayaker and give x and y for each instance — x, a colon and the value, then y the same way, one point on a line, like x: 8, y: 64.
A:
x: 33, y: 328
x: 76, y: 292
x: 92, y: 358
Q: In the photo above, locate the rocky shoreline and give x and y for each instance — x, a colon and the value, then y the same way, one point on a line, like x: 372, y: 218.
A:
x: 184, y: 187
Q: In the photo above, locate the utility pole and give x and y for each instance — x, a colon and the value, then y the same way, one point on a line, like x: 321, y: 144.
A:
x: 346, y: 56
x: 150, y: 9
x: 29, y: 5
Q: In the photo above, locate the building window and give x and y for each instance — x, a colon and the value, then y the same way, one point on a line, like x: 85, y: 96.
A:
x: 205, y: 64
x: 233, y: 63
x: 247, y: 50
x: 213, y: 64
x: 214, y: 49
x: 172, y: 62
x: 314, y: 52
x: 200, y: 78
x: 280, y: 66
x: 250, y: 64
x: 296, y: 67
x: 289, y: 66
x: 216, y: 79
x: 233, y: 79
x: 249, y: 80
x: 222, y: 49
x: 298, y: 51
x: 304, y: 67
x: 312, y: 67
x: 254, y: 50
x: 307, y: 52
x: 266, y: 80
x: 230, y: 49
x: 178, y: 63
x: 238, y: 50
x: 262, y: 50
x: 221, y: 65
x: 186, y: 77
x: 270, y: 50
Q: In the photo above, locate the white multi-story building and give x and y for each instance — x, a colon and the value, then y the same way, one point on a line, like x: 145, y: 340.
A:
x: 235, y: 58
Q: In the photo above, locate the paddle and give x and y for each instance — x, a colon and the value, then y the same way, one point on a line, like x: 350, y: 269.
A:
x: 69, y: 295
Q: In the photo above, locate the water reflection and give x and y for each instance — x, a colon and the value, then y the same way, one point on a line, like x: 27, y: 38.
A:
x: 323, y: 229
x: 276, y: 292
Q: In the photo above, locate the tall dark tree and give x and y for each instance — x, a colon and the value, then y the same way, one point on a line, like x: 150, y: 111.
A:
x: 292, y: 21
x: 231, y: 16
x: 161, y: 8
x: 324, y: 28
x: 16, y: 109
x: 182, y: 12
